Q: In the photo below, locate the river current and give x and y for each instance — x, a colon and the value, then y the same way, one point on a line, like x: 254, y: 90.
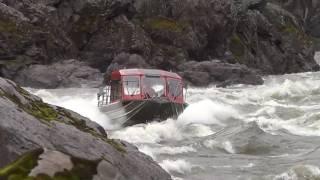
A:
x: 262, y: 132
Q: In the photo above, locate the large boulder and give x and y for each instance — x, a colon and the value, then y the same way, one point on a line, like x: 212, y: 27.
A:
x: 114, y: 37
x: 39, y: 141
x: 222, y: 74
x: 270, y: 38
x: 308, y: 13
x: 68, y: 73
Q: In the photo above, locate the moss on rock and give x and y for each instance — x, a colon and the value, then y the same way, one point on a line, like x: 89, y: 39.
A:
x: 8, y: 26
x: 21, y: 168
x: 36, y: 108
x: 236, y: 46
x: 288, y: 28
x: 45, y: 113
x: 160, y: 23
x: 42, y: 111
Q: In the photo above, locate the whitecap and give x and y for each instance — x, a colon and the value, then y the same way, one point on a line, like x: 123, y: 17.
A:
x: 176, y: 166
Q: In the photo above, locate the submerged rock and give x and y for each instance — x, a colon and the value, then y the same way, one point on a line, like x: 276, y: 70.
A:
x: 251, y: 139
x: 206, y: 72
x: 39, y: 140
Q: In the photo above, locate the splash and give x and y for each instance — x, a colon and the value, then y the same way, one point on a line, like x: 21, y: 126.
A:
x: 207, y: 112
x: 157, y: 132
x: 288, y: 104
x: 176, y: 166
x: 301, y: 172
x: 82, y: 101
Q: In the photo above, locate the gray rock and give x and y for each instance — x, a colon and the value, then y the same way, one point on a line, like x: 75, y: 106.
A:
x: 69, y: 73
x: 222, y: 74
x: 275, y: 37
x: 30, y: 128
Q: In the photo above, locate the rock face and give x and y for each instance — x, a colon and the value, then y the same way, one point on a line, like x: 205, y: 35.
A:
x: 39, y: 141
x: 69, y: 73
x: 308, y: 14
x: 223, y: 74
x: 266, y: 36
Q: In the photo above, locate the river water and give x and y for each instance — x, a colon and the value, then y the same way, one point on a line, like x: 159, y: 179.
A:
x: 241, y: 132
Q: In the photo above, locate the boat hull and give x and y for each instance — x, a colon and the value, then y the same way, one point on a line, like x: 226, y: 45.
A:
x: 142, y: 111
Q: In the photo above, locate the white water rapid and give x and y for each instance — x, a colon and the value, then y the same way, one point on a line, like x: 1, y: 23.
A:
x: 241, y: 132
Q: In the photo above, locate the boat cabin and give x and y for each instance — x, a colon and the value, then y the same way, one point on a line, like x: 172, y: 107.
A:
x: 142, y: 84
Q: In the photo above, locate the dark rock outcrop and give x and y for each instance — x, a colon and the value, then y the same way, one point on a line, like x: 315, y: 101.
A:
x: 40, y: 141
x: 308, y: 13
x: 273, y: 37
x: 223, y: 74
x: 69, y: 73
x: 269, y: 38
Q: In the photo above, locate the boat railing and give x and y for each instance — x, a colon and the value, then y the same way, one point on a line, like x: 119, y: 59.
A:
x: 104, y: 96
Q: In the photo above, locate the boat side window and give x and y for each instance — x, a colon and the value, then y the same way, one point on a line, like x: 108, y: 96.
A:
x: 174, y: 87
x: 115, y: 90
x: 153, y: 86
x: 131, y: 85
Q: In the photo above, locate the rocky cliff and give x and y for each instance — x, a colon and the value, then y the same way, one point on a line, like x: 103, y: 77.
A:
x: 41, y: 141
x: 246, y: 38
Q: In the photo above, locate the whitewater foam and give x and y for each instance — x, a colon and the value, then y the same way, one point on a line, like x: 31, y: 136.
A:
x: 207, y: 112
x: 284, y: 104
x: 168, y: 150
x: 176, y: 166
x: 300, y: 172
x: 82, y: 101
x: 156, y: 132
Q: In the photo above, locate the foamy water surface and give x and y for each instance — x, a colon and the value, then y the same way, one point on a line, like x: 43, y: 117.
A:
x: 241, y: 132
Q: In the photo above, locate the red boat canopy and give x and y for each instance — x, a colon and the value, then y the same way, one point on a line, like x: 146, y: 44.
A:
x: 116, y: 75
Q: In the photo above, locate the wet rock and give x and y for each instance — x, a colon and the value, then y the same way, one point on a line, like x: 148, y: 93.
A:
x: 117, y: 36
x: 126, y: 61
x: 274, y: 37
x: 223, y: 74
x: 308, y: 14
x: 69, y: 73
x: 44, y: 139
x: 266, y: 38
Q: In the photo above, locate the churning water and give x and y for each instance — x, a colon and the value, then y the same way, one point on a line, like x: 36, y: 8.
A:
x: 241, y: 132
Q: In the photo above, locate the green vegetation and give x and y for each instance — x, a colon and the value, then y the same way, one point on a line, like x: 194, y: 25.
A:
x: 8, y: 26
x: 20, y: 169
x: 161, y: 23
x: 16, y: 61
x: 116, y: 145
x: 290, y: 29
x: 46, y: 114
x: 37, y: 108
x: 42, y: 111
x: 236, y: 46
x: 85, y: 23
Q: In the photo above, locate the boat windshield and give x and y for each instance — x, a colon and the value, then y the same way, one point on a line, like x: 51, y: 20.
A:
x: 153, y: 86
x: 175, y: 87
x: 131, y: 85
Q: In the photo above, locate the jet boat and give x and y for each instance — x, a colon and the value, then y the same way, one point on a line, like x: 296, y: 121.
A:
x: 134, y: 96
